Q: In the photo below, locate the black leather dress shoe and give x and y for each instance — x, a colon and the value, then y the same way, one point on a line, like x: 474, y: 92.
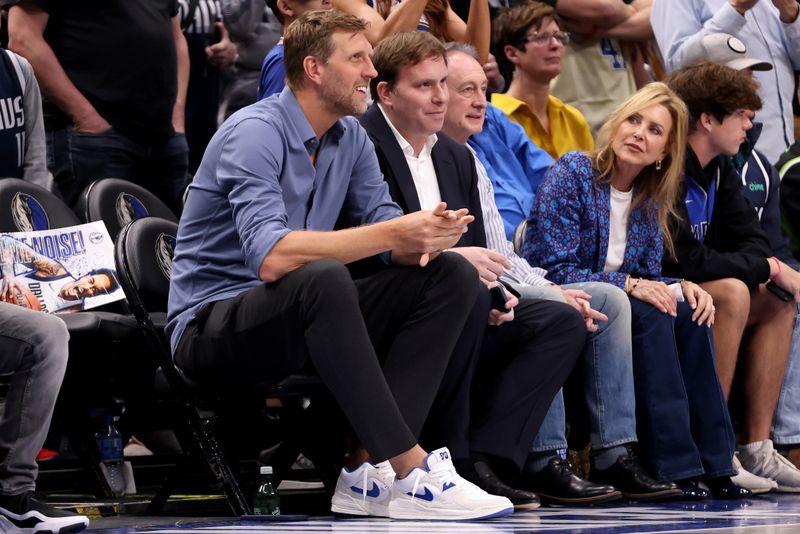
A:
x: 724, y: 488
x: 692, y: 491
x: 557, y: 483
x: 633, y: 481
x: 486, y: 479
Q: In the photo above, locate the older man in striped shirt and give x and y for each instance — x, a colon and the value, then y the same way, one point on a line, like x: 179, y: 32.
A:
x: 606, y: 360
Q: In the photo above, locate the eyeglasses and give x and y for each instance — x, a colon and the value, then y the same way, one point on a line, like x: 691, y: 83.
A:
x: 545, y: 38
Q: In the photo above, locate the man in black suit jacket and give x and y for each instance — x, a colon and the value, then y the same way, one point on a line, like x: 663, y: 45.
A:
x: 538, y: 339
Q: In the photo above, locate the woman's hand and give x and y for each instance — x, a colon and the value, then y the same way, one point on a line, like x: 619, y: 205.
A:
x: 700, y: 301
x: 657, y: 294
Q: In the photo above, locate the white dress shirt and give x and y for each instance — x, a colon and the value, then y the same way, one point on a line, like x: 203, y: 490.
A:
x: 421, y: 167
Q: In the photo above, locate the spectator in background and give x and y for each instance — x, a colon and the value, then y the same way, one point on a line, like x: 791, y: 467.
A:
x: 532, y: 41
x: 114, y: 83
x: 387, y: 17
x: 769, y: 29
x: 273, y: 73
x: 789, y: 172
x: 22, y: 145
x: 604, y: 62
x: 210, y: 48
x: 33, y: 348
x: 255, y: 30
x: 719, y: 243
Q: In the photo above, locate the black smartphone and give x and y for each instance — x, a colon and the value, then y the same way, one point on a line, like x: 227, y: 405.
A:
x: 499, y: 298
x: 779, y: 292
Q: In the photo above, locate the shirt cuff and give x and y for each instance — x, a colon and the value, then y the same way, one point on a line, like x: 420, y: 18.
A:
x: 728, y: 19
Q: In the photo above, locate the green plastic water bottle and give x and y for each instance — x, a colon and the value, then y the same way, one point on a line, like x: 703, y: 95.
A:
x: 266, y: 501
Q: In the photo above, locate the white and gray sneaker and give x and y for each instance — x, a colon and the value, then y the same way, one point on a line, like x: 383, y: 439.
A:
x: 23, y: 514
x: 761, y: 458
x: 746, y: 479
x: 439, y: 493
x: 364, y: 491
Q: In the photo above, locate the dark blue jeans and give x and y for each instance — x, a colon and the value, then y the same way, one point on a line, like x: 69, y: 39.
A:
x: 681, y: 416
x: 76, y: 159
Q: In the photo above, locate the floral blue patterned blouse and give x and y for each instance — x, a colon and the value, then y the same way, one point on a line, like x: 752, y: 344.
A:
x: 568, y: 229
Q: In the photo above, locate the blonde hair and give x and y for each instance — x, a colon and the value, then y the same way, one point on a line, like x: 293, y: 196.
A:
x: 311, y: 35
x: 657, y: 189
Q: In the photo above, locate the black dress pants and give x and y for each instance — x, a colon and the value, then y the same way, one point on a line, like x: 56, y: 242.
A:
x: 380, y: 344
x: 511, y: 372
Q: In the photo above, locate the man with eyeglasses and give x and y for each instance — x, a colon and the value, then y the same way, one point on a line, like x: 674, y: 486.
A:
x: 532, y: 43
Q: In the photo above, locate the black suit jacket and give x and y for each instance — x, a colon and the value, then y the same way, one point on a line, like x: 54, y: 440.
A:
x: 455, y: 172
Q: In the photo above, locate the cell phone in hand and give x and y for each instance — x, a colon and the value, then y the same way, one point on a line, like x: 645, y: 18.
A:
x: 779, y: 292
x: 499, y: 298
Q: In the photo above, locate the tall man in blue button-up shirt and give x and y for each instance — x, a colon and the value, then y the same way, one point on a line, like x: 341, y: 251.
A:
x: 259, y: 289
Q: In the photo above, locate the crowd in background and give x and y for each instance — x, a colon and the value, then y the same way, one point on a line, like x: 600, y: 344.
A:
x: 622, y: 175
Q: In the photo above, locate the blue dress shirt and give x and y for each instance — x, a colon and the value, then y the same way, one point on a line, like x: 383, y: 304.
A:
x: 256, y: 184
x: 515, y: 165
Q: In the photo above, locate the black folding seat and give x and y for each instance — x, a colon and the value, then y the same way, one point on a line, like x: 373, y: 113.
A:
x: 143, y: 254
x: 117, y: 202
x: 97, y: 337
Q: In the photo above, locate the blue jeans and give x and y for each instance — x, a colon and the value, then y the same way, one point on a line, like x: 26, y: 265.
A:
x: 76, y: 159
x: 607, y: 378
x: 786, y: 423
x: 682, y: 419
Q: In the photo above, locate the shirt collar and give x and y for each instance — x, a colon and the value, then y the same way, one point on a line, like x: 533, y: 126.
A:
x: 508, y: 104
x: 405, y: 146
x: 304, y: 130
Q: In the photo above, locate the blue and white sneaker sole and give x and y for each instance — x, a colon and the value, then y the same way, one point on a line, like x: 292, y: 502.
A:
x: 354, y: 506
x: 410, y: 512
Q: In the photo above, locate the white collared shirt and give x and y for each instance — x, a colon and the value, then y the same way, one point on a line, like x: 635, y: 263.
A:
x: 421, y: 167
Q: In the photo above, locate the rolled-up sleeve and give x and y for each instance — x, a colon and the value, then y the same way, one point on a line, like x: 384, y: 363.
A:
x: 249, y: 170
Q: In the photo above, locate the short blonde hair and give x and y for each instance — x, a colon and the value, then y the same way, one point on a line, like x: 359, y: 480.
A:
x: 657, y: 189
x: 310, y: 35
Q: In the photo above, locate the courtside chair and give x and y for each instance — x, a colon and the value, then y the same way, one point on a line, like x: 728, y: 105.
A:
x: 143, y: 255
x: 96, y: 337
x: 117, y: 202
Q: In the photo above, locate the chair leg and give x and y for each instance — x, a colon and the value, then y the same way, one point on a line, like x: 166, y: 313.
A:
x: 212, y: 456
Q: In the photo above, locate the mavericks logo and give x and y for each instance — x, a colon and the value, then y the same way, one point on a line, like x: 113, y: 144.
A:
x: 28, y: 214
x: 129, y: 208
x: 165, y: 249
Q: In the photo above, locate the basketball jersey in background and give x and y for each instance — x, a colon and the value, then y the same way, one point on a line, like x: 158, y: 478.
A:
x: 12, y: 116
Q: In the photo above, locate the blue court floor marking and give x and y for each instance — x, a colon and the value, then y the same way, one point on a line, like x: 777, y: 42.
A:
x: 756, y: 515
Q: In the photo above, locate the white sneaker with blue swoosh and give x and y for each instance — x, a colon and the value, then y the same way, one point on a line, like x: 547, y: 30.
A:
x: 439, y: 493
x: 364, y: 491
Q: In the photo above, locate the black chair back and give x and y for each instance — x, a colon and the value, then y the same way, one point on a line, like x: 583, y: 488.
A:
x: 117, y: 202
x: 143, y: 253
x: 25, y: 207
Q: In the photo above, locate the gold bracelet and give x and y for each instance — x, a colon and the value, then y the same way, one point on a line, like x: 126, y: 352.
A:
x: 635, y: 283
